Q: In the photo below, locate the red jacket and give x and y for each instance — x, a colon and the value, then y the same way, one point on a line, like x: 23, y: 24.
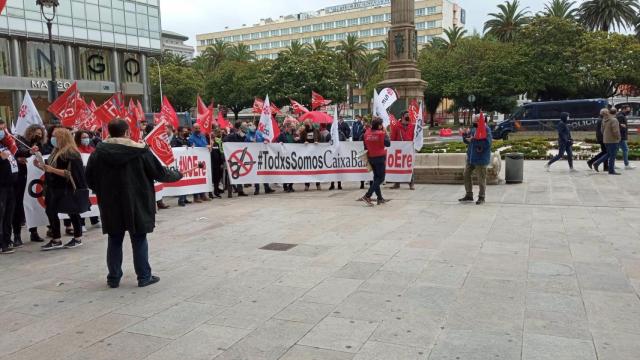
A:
x: 375, y: 142
x: 400, y: 133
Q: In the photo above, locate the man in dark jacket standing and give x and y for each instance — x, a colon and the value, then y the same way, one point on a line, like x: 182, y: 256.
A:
x: 358, y: 129
x: 121, y: 173
x: 8, y: 178
x: 565, y: 142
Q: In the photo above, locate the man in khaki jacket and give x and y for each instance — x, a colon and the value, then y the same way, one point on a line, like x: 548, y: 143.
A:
x: 611, y: 137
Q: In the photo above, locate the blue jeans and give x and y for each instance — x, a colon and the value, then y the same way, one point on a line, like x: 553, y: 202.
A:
x: 379, y: 168
x: 140, y: 257
x: 610, y: 157
x: 625, y: 152
x: 564, y: 148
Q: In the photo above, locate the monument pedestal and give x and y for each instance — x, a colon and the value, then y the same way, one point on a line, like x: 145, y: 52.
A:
x: 403, y: 75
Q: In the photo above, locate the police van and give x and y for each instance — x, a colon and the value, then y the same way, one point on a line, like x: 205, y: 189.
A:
x: 544, y: 116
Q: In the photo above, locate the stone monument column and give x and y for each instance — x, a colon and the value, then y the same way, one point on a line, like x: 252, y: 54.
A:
x: 402, y: 73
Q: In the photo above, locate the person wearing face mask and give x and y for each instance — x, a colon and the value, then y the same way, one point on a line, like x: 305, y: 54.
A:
x: 8, y: 178
x: 310, y: 135
x: 85, y: 146
x: 478, y: 159
x: 199, y: 140
x: 254, y: 135
x: 170, y: 134
x: 181, y: 140
x: 33, y: 137
x: 217, y: 161
x: 237, y: 135
x: 565, y: 142
x: 403, y: 131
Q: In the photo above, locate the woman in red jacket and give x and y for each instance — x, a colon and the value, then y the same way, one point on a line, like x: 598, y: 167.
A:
x: 376, y: 141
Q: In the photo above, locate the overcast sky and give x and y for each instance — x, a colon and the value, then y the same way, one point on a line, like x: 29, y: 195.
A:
x: 191, y: 17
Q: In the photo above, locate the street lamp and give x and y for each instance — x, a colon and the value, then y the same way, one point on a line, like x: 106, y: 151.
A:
x: 53, y: 84
x: 159, y: 79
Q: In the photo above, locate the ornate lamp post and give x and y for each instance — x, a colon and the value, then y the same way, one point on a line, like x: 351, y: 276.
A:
x: 50, y: 4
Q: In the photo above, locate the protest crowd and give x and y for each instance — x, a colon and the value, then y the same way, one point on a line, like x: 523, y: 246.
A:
x: 94, y: 150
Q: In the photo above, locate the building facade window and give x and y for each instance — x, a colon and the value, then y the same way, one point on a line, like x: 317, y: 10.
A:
x: 275, y: 32
x: 378, y: 18
x: 295, y: 30
x: 131, y: 70
x: 341, y: 36
x: 365, y: 20
x: 341, y: 23
x: 352, y: 22
x: 306, y: 28
x: 284, y: 31
x: 38, y: 63
x: 365, y: 33
x: 378, y: 32
x: 317, y: 27
x: 329, y: 25
x: 421, y: 12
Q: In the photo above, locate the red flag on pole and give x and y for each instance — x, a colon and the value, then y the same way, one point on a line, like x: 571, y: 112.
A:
x: 414, y: 109
x: 64, y: 107
x: 205, y: 116
x: 257, y: 105
x: 168, y: 114
x: 158, y: 142
x: 318, y: 101
x: 9, y: 142
x: 132, y: 120
x: 140, y: 111
x: 481, y: 131
x: 3, y: 3
x: 108, y: 111
x: 93, y: 106
x: 86, y: 118
x: 298, y: 108
x: 222, y: 122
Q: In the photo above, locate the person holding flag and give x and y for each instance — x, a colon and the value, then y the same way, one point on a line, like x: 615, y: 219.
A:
x: 8, y: 177
x: 479, y: 143
x: 403, y: 131
x: 121, y: 173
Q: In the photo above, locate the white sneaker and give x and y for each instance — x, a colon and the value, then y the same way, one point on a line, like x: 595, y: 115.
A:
x: 84, y: 229
x: 629, y: 167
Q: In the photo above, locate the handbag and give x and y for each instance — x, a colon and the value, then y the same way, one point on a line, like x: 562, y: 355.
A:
x: 76, y: 201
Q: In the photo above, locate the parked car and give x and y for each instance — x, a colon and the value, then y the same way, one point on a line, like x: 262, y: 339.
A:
x: 543, y: 116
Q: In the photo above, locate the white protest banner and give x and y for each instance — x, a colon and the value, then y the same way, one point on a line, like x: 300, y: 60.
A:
x: 195, y: 181
x: 386, y: 98
x: 251, y: 163
x: 34, y: 205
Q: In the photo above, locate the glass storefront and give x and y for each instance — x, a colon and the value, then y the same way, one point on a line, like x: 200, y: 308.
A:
x: 94, y: 64
x: 37, y: 62
x: 131, y: 66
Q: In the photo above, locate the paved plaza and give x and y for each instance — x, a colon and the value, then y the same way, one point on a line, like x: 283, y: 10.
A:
x: 549, y: 269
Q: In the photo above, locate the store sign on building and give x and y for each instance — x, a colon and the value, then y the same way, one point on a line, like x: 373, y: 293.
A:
x: 44, y: 84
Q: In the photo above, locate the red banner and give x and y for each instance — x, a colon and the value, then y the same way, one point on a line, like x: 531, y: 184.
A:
x: 205, y: 116
x: 318, y: 101
x: 64, y: 107
x: 168, y: 114
x: 298, y: 108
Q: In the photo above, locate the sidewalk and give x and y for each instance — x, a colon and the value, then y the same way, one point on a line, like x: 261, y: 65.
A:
x: 549, y: 269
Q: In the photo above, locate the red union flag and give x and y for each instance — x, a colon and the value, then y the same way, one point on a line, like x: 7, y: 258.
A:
x: 414, y: 109
x: 140, y: 111
x: 168, y: 114
x: 132, y: 119
x: 257, y: 105
x: 86, y: 118
x: 481, y: 132
x: 318, y: 101
x: 205, y: 116
x: 298, y: 108
x: 158, y: 142
x: 222, y: 122
x: 64, y: 107
x: 108, y: 111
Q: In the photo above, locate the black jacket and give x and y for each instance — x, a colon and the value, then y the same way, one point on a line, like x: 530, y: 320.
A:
x: 121, y: 173
x: 234, y: 137
x: 7, y: 177
x: 624, y: 131
x: 179, y: 142
x: 345, y: 129
x: 599, y: 135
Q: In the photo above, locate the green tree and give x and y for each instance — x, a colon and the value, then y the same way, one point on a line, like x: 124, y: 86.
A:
x: 215, y: 55
x: 180, y: 84
x: 241, y: 53
x: 563, y: 9
x: 607, y: 15
x: 234, y: 84
x: 453, y: 35
x: 169, y: 57
x: 352, y: 49
x: 504, y: 25
x: 552, y: 48
x: 298, y: 49
x: 320, y: 45
x: 369, y: 72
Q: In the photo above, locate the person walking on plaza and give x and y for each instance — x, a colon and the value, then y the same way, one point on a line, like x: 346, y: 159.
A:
x: 404, y: 131
x: 376, y: 141
x: 8, y: 178
x: 599, y: 138
x: 121, y: 173
x: 479, y: 143
x: 34, y: 138
x: 565, y: 142
x: 611, y: 138
x: 624, y: 135
x: 65, y: 188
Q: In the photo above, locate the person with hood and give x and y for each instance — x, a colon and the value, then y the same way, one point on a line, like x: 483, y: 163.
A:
x: 611, y: 138
x: 121, y: 173
x: 599, y: 138
x: 8, y: 178
x: 624, y: 134
x: 478, y: 159
x: 34, y: 138
x: 565, y: 142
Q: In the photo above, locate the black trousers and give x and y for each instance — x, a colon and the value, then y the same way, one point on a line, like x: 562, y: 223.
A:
x: 18, y: 213
x: 603, y: 151
x: 54, y: 222
x: 379, y: 166
x: 7, y: 205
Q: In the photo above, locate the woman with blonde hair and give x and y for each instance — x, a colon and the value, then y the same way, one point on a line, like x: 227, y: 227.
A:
x: 65, y: 188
